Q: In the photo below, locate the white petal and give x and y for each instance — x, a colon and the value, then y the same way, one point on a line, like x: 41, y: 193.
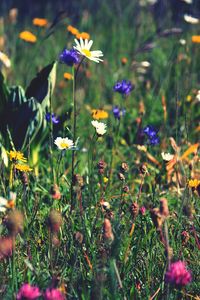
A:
x: 89, y: 44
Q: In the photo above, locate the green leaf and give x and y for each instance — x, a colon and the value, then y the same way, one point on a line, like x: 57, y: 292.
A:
x: 4, y: 91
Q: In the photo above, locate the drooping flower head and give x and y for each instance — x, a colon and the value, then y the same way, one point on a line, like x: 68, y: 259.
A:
x: 69, y: 57
x: 123, y: 87
x: 52, y: 117
x: 118, y: 113
x: 63, y: 143
x: 53, y: 294
x: 178, y: 275
x: 100, y: 127
x: 83, y: 47
x: 28, y: 292
x: 151, y: 133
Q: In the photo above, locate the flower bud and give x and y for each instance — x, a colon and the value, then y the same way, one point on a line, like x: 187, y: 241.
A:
x: 134, y: 209
x: 164, y: 207
x: 55, y: 192
x: 157, y: 218
x: 15, y: 222
x: 6, y: 246
x: 121, y: 176
x: 78, y: 180
x: 101, y: 166
x: 107, y: 228
x: 54, y: 221
x: 124, y: 167
x: 79, y: 237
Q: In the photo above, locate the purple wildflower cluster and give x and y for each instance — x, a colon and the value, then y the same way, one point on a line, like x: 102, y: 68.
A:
x: 69, y: 57
x: 52, y: 117
x: 118, y: 113
x: 151, y: 133
x: 123, y: 87
x: 178, y: 275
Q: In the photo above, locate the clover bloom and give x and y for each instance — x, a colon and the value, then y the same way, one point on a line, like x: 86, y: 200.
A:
x: 83, y: 48
x: 117, y: 112
x: 100, y: 127
x: 69, y: 57
x: 178, y: 275
x: 151, y: 133
x: 40, y: 22
x: 53, y: 294
x: 28, y: 292
x: 52, y: 117
x: 28, y: 36
x: 63, y: 143
x: 98, y: 114
x: 123, y: 87
x: 5, y: 60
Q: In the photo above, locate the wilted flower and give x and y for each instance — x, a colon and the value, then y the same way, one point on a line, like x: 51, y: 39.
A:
x: 117, y: 112
x: 69, y: 57
x: 53, y: 294
x: 190, y: 19
x: 98, y: 114
x: 123, y: 87
x: 52, y: 117
x: 55, y: 221
x: 100, y: 127
x: 28, y: 36
x: 28, y: 292
x: 63, y: 143
x: 178, y: 275
x: 107, y: 227
x: 83, y: 48
x: 15, y: 222
x: 6, y: 246
x: 5, y: 60
x: 40, y: 22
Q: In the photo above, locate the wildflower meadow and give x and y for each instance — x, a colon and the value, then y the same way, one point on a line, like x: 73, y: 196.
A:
x: 99, y: 150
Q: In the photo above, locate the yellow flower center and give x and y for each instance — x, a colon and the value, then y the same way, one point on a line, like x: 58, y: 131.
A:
x: 64, y: 145
x: 87, y: 52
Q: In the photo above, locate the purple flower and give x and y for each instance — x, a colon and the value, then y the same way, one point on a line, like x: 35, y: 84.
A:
x: 123, y: 87
x: 118, y: 113
x: 69, y: 57
x: 151, y: 133
x: 52, y: 117
x: 53, y: 294
x: 28, y: 292
x: 178, y: 275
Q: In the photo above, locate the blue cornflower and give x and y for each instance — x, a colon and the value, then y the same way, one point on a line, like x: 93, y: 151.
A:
x: 151, y: 133
x: 69, y: 57
x: 117, y: 112
x: 52, y: 117
x: 123, y: 87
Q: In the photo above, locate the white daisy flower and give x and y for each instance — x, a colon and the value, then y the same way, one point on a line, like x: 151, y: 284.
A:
x: 100, y: 127
x: 188, y: 1
x: 3, y: 204
x: 167, y: 156
x: 190, y: 19
x: 63, y: 143
x: 83, y: 47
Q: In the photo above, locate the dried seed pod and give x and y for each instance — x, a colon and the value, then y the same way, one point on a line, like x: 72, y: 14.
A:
x: 101, y: 166
x: 78, y: 180
x: 157, y: 218
x: 188, y: 211
x: 24, y: 178
x: 143, y: 169
x: 107, y: 230
x: 126, y: 189
x: 124, y: 167
x: 134, y: 209
x: 55, y: 192
x: 6, y: 246
x: 121, y: 176
x: 54, y: 221
x: 55, y: 240
x: 169, y: 253
x: 164, y: 207
x: 79, y: 237
x: 15, y: 222
x: 185, y: 237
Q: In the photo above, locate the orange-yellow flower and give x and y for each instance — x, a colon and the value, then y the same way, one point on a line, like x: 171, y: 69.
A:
x: 72, y: 29
x: 124, y: 60
x: 193, y: 183
x: 68, y: 76
x: 98, y: 114
x: 16, y: 155
x: 23, y: 168
x: 40, y: 22
x: 27, y: 36
x: 83, y: 35
x: 196, y: 39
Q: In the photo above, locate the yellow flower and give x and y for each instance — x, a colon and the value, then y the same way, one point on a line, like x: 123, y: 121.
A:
x: 23, y: 168
x: 72, y: 30
x: 193, y: 183
x: 196, y: 39
x: 67, y: 76
x: 28, y: 36
x: 105, y: 179
x: 83, y: 35
x: 5, y: 60
x: 98, y: 114
x: 40, y: 22
x: 189, y: 98
x: 16, y: 155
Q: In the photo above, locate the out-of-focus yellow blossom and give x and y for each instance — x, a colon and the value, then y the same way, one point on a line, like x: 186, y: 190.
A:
x: 40, y: 22
x: 68, y: 76
x: 83, y: 35
x: 23, y: 168
x: 16, y: 155
x: 105, y: 179
x: 193, y: 183
x: 72, y: 30
x: 27, y: 36
x: 98, y: 114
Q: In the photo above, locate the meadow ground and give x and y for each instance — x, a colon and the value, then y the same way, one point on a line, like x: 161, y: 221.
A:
x: 99, y: 169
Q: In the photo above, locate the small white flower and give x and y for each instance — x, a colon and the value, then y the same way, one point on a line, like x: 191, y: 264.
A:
x: 145, y: 64
x: 167, y: 156
x: 190, y: 19
x: 3, y: 204
x: 83, y: 47
x: 100, y: 127
x: 188, y: 1
x: 182, y: 42
x: 5, y: 60
x: 63, y: 143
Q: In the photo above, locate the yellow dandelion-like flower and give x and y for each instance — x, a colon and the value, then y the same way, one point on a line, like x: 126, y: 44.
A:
x: 16, y: 155
x: 68, y: 76
x: 23, y: 168
x: 27, y: 36
x: 72, y: 30
x: 98, y: 114
x: 40, y: 22
x: 193, y: 183
x: 83, y: 35
x: 105, y: 179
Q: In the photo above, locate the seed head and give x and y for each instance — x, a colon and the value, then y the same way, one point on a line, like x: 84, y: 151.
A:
x: 54, y: 221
